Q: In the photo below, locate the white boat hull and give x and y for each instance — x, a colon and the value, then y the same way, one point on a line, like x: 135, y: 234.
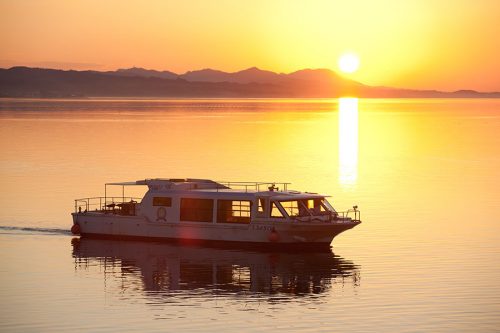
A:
x: 285, y: 233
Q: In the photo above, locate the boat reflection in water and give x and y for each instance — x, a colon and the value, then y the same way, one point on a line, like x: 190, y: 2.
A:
x: 172, y: 268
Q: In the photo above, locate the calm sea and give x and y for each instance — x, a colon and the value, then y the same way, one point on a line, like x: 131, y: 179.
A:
x: 425, y: 174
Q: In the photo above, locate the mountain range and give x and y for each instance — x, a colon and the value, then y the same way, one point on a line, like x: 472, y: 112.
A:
x: 205, y: 83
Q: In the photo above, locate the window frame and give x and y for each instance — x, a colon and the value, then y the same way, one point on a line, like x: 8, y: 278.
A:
x: 279, y: 208
x: 230, y: 213
x: 328, y: 209
x: 300, y: 207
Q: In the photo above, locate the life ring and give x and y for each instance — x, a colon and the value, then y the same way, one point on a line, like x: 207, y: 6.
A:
x: 161, y: 214
x: 75, y: 229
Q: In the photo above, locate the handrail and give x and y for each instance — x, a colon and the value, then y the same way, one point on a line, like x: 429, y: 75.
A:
x: 254, y: 185
x: 102, y: 203
x: 355, y: 210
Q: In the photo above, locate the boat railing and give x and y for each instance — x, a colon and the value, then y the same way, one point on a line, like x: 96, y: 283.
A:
x: 353, y: 213
x: 104, y: 204
x: 254, y: 186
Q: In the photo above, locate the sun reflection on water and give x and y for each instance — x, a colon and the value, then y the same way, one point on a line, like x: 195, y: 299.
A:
x: 348, y: 141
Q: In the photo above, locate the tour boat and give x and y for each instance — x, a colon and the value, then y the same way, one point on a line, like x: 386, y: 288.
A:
x: 205, y: 211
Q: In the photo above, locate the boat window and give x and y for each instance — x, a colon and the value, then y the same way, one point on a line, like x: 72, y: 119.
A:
x: 275, y: 212
x: 295, y: 208
x: 162, y: 201
x: 262, y: 206
x: 306, y: 207
x: 319, y: 206
x: 233, y: 211
x: 327, y: 205
x: 196, y: 210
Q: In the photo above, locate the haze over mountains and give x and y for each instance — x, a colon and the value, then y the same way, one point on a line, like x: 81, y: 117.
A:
x: 205, y: 83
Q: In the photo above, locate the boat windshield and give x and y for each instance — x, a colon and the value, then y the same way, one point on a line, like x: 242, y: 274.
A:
x: 307, y: 207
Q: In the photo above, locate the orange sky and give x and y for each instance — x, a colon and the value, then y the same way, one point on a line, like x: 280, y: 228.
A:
x: 440, y: 44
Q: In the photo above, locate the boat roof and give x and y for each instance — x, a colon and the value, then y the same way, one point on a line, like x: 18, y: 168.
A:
x: 153, y: 181
x: 277, y: 190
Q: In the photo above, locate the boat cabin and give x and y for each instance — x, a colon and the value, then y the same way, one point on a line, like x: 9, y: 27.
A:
x: 207, y: 201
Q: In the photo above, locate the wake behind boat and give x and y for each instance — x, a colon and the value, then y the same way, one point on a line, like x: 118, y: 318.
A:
x: 201, y: 210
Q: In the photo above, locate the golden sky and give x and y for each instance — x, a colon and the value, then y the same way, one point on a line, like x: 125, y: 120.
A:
x: 440, y: 44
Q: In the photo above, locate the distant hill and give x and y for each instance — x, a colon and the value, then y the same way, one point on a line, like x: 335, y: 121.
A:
x: 250, y: 75
x: 136, y: 71
x: 251, y: 82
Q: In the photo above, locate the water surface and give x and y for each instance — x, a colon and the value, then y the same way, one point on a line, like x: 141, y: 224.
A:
x: 423, y: 172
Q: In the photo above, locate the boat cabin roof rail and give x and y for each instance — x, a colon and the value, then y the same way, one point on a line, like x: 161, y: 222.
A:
x: 158, y: 184
x: 256, y: 186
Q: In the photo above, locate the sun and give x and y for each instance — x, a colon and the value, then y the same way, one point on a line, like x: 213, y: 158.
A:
x: 349, y: 62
